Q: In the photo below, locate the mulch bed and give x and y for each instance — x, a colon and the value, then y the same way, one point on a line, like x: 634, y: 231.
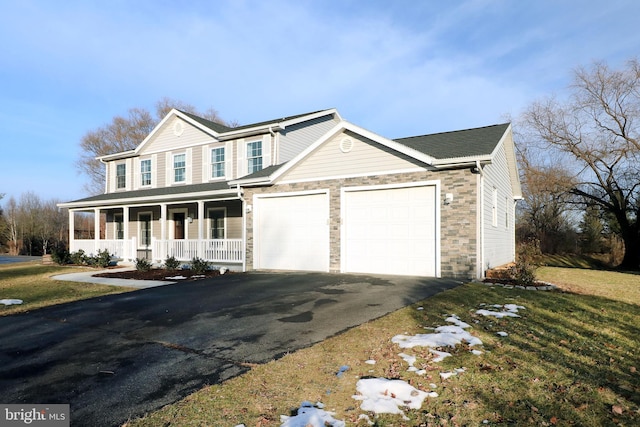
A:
x: 159, y: 274
x: 511, y: 282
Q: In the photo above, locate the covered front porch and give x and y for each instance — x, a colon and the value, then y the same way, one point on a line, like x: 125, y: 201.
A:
x: 210, y: 229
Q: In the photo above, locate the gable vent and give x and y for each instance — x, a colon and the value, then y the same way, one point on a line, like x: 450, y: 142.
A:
x: 178, y: 128
x: 346, y: 145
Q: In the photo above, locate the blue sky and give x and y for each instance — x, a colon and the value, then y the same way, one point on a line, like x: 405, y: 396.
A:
x: 397, y: 68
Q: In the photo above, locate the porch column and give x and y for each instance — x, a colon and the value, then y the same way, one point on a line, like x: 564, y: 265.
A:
x: 163, y: 230
x: 201, y: 245
x: 72, y: 231
x: 96, y: 230
x: 125, y: 231
x: 200, y: 220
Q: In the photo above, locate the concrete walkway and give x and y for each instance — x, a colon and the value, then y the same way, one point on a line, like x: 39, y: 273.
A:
x: 88, y: 277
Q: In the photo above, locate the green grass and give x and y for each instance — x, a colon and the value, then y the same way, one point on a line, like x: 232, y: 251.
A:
x: 570, y: 360
x: 31, y: 282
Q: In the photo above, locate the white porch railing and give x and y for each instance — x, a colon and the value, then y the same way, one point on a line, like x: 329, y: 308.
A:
x: 123, y: 249
x: 213, y: 250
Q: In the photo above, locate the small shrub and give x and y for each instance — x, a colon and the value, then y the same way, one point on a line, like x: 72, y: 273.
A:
x: 60, y: 256
x: 79, y: 258
x: 142, y: 264
x: 103, y: 259
x: 524, y: 270
x: 171, y: 263
x: 199, y: 266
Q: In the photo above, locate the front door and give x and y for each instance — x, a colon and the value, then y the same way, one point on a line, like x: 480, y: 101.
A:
x: 178, y: 225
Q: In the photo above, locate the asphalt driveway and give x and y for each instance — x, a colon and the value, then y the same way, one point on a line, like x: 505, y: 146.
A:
x: 120, y: 356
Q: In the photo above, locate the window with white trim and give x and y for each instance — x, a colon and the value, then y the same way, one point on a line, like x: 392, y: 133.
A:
x: 121, y: 175
x: 254, y: 156
x: 118, y: 223
x: 144, y: 219
x: 179, y: 168
x: 217, y: 229
x: 217, y: 162
x: 145, y: 172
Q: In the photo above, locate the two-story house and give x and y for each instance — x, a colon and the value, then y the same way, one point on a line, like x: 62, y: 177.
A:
x: 310, y: 192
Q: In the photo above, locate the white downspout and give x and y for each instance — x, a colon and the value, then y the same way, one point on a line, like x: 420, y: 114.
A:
x: 481, y: 247
x: 274, y: 139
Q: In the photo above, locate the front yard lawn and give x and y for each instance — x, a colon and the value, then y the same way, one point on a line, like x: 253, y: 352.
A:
x: 31, y: 282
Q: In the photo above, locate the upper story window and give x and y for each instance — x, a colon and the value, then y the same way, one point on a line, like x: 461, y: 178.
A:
x: 121, y: 175
x: 179, y: 168
x: 254, y: 156
x: 145, y: 172
x: 217, y: 162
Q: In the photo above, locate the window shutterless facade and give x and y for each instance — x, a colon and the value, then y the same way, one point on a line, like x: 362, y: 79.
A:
x: 179, y: 168
x: 121, y: 175
x: 145, y: 172
x: 217, y: 224
x: 254, y: 156
x: 118, y: 226
x: 217, y: 163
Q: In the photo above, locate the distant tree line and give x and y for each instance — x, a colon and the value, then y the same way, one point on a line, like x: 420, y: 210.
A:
x: 32, y: 226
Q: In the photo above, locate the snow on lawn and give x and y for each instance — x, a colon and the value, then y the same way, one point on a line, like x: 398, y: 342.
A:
x: 508, y: 310
x: 385, y: 396
x: 10, y: 301
x: 310, y: 415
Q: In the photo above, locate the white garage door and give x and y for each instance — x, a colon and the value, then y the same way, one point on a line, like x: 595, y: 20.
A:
x: 390, y: 231
x: 292, y: 232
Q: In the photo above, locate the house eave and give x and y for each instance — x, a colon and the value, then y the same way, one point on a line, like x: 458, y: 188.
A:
x: 163, y: 198
x: 462, y: 161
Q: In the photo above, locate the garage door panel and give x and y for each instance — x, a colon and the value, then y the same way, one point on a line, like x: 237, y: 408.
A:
x: 292, y: 232
x: 390, y: 231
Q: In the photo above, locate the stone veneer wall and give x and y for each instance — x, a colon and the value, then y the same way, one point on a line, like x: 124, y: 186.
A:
x: 458, y: 220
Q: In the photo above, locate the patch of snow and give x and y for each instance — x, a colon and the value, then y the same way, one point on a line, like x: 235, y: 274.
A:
x: 497, y: 314
x: 456, y: 321
x: 223, y: 270
x: 502, y: 334
x: 175, y: 278
x: 445, y: 336
x: 440, y: 355
x: 370, y: 362
x: 408, y: 358
x: 366, y: 418
x: 10, y: 301
x: 476, y: 352
x: 384, y: 396
x: 309, y: 415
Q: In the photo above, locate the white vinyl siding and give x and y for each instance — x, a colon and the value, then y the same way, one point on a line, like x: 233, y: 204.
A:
x: 499, y: 221
x: 165, y: 139
x: 295, y: 138
x: 365, y: 158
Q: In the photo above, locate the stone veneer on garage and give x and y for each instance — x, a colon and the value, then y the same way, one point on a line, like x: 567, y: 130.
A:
x: 458, y: 232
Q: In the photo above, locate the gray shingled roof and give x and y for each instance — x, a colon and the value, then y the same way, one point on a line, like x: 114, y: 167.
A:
x: 217, y: 127
x: 460, y: 143
x: 220, y: 128
x: 164, y: 191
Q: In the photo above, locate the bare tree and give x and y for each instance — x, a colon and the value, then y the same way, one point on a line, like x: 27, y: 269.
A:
x: 126, y: 133
x: 595, y: 135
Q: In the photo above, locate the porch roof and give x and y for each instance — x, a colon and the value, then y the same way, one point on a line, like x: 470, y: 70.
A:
x: 207, y: 191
